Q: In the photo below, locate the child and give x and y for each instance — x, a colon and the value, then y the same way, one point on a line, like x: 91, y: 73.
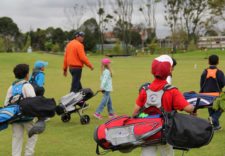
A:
x: 106, y: 87
x: 37, y: 78
x: 169, y: 78
x: 212, y: 81
x: 170, y: 100
x: 21, y: 88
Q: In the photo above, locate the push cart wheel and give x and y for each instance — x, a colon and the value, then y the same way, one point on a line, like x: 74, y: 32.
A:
x: 85, y: 119
x: 65, y: 117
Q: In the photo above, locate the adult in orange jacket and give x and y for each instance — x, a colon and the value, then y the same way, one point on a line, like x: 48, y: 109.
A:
x: 74, y: 59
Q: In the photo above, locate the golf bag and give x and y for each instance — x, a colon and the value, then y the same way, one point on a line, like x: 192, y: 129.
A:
x: 26, y: 109
x: 74, y: 103
x: 8, y: 114
x: 199, y: 100
x: 187, y: 131
x: 124, y: 133
x: 182, y: 131
x: 38, y: 106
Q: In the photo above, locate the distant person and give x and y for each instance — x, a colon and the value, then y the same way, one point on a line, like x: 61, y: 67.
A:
x: 74, y: 59
x: 21, y: 88
x: 106, y: 88
x: 212, y: 82
x: 171, y: 99
x: 37, y: 78
x: 169, y: 78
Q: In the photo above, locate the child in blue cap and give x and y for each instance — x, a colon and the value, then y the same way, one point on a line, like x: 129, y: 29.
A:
x: 37, y: 78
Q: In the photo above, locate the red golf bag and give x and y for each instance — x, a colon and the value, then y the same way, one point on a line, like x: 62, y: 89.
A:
x: 124, y: 133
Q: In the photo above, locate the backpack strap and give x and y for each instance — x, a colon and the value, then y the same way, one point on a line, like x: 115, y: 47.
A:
x: 211, y: 73
x: 144, y: 86
x: 160, y: 92
x: 14, y: 99
x: 33, y: 77
x: 168, y: 87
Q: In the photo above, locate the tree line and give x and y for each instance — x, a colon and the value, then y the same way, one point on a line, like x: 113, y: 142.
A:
x: 187, y: 20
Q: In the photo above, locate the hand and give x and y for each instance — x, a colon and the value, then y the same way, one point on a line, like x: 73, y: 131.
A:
x: 65, y: 73
x: 92, y: 68
x: 194, y: 113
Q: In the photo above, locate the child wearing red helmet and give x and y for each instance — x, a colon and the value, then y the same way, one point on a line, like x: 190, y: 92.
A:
x: 171, y: 99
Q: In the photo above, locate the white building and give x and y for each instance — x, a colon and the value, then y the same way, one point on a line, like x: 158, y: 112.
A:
x: 211, y: 42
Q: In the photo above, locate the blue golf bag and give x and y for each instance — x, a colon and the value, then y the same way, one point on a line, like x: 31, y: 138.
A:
x: 8, y: 114
x: 199, y: 100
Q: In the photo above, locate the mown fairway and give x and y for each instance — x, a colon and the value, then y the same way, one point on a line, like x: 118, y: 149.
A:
x: 74, y: 139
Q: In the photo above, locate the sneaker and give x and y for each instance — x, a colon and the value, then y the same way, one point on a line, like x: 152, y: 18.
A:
x: 98, y: 116
x: 112, y: 115
x: 217, y: 128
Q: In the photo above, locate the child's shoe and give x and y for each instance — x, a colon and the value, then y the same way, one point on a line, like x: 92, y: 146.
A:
x: 98, y: 116
x: 217, y: 128
x: 112, y: 115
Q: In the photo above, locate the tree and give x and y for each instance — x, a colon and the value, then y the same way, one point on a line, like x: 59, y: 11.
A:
x: 8, y: 27
x: 74, y: 16
x: 189, y: 15
x: 38, y: 39
x: 91, y: 29
x: 9, y: 33
x: 27, y: 42
x: 173, y: 8
x: 58, y: 37
x: 211, y: 32
x: 194, y: 13
x: 218, y: 8
x: 123, y: 9
x: 148, y: 11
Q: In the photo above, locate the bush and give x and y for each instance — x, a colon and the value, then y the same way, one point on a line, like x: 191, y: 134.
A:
x: 2, y: 49
x: 55, y: 48
x: 117, y: 48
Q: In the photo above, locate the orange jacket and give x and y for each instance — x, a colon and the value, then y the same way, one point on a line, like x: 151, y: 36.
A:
x: 75, y: 55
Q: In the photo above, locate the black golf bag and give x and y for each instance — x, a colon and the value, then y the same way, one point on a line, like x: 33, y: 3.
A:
x: 26, y: 109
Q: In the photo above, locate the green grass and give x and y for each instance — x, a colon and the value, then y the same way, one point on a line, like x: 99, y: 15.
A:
x: 74, y: 139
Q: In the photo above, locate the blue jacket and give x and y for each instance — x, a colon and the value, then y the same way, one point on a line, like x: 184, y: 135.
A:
x: 38, y: 77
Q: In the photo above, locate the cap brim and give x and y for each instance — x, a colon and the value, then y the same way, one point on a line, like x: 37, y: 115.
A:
x: 45, y: 64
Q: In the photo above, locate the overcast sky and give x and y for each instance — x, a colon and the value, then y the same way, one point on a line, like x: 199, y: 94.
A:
x: 33, y: 14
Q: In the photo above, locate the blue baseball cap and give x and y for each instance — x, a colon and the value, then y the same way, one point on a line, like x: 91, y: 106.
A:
x: 40, y: 64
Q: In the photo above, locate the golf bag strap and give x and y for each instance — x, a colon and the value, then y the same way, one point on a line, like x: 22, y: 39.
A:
x: 197, y: 104
x: 98, y: 151
x: 165, y: 88
x: 20, y: 96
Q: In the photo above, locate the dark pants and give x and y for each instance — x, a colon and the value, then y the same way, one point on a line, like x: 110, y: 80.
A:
x: 215, y: 114
x: 76, y: 76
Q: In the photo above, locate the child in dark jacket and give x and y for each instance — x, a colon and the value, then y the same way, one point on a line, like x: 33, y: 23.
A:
x: 212, y: 82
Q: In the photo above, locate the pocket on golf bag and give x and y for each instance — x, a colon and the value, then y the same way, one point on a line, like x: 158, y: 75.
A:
x: 187, y: 131
x: 125, y: 133
x: 38, y: 106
